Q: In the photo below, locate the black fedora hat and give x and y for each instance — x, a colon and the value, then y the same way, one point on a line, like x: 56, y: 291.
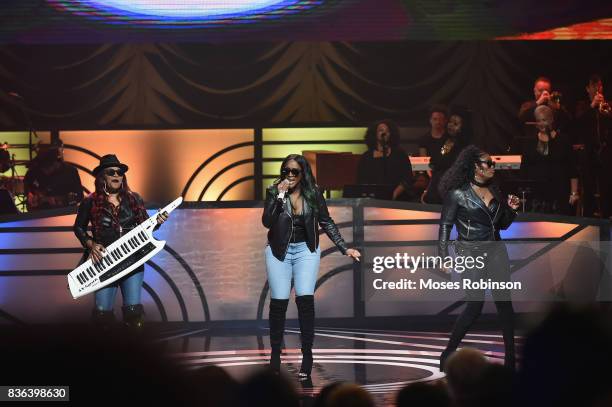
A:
x: 109, y: 160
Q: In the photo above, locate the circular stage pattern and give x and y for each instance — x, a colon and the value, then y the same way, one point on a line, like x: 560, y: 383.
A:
x: 382, y: 362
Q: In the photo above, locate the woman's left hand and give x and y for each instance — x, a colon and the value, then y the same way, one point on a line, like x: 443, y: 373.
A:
x: 354, y: 253
x: 162, y: 217
x: 513, y: 202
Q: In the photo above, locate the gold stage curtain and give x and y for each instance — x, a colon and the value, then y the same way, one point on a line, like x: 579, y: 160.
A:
x: 189, y: 85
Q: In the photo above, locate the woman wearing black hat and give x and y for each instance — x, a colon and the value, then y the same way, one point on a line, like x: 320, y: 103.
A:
x: 113, y: 210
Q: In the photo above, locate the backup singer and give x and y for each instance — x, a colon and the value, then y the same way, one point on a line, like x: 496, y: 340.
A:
x: 477, y: 209
x: 385, y: 162
x: 458, y: 135
x: 293, y: 210
x: 113, y: 210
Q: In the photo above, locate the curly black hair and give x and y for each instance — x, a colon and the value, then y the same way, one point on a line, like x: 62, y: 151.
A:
x: 462, y: 171
x: 370, y: 136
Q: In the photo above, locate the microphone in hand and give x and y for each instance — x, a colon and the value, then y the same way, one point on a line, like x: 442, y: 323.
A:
x: 283, y: 187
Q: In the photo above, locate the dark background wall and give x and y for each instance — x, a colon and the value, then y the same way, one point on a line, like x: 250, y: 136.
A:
x: 159, y: 85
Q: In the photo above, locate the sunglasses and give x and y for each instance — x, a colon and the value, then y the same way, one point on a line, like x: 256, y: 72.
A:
x: 490, y: 163
x: 111, y: 172
x: 293, y: 171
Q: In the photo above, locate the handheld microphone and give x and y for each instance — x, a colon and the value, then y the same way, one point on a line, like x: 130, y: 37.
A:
x: 282, y: 194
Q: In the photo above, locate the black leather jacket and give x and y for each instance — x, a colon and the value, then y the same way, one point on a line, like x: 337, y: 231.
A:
x: 277, y: 218
x: 107, y: 234
x: 464, y: 209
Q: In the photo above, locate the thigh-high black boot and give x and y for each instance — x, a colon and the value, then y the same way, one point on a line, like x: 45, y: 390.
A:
x: 306, y: 315
x: 278, y: 311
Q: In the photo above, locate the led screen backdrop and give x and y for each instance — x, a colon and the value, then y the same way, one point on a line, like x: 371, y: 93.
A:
x: 47, y: 21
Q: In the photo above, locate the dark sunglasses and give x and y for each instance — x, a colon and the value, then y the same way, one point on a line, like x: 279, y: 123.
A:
x: 490, y: 163
x: 111, y: 172
x: 293, y: 171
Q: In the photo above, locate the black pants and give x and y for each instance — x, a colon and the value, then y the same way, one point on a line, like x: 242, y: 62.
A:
x: 497, y: 269
x: 595, y: 177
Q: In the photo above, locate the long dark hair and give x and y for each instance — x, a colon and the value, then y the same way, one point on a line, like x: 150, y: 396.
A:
x: 394, y: 136
x: 308, y: 184
x: 462, y: 171
x: 465, y: 135
x: 100, y: 202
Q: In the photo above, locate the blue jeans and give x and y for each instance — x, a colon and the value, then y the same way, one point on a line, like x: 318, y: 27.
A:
x: 131, y: 289
x: 299, y: 264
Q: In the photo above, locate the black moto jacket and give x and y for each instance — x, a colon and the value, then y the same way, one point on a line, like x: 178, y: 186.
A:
x: 277, y: 218
x: 108, y: 233
x: 474, y: 221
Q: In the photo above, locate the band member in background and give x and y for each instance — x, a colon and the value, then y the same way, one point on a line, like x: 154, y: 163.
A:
x: 385, y: 162
x: 430, y: 144
x: 548, y: 160
x: 592, y: 132
x: 50, y: 182
x: 293, y: 211
x: 476, y: 207
x: 113, y: 210
x: 458, y: 131
x: 543, y: 96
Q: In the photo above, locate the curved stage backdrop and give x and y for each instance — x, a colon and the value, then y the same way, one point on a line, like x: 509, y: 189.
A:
x: 198, y: 164
x: 212, y: 268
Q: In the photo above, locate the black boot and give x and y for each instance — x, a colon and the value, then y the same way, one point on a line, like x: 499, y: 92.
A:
x: 505, y: 311
x: 103, y: 320
x: 306, y: 315
x: 133, y: 316
x: 276, y: 320
x: 466, y: 319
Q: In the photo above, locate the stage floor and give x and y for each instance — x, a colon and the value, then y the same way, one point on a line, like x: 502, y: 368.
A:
x: 382, y: 361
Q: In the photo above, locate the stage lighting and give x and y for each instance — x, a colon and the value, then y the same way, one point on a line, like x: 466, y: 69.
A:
x: 188, y: 9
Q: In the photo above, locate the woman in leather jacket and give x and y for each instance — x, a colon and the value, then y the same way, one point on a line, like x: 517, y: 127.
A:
x: 476, y: 207
x: 293, y: 211
x: 113, y: 210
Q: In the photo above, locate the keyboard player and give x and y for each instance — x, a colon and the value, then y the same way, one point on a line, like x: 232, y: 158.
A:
x: 112, y: 210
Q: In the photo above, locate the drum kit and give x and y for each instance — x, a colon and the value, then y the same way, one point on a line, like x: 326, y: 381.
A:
x: 11, y: 186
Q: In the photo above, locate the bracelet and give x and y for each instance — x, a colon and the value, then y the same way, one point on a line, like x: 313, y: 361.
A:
x: 574, y: 193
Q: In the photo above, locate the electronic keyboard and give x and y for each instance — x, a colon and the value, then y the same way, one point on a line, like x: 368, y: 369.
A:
x: 121, y: 257
x: 502, y: 162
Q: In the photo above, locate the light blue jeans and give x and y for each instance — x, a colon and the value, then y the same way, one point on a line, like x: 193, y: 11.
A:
x: 300, y: 265
x: 131, y: 289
